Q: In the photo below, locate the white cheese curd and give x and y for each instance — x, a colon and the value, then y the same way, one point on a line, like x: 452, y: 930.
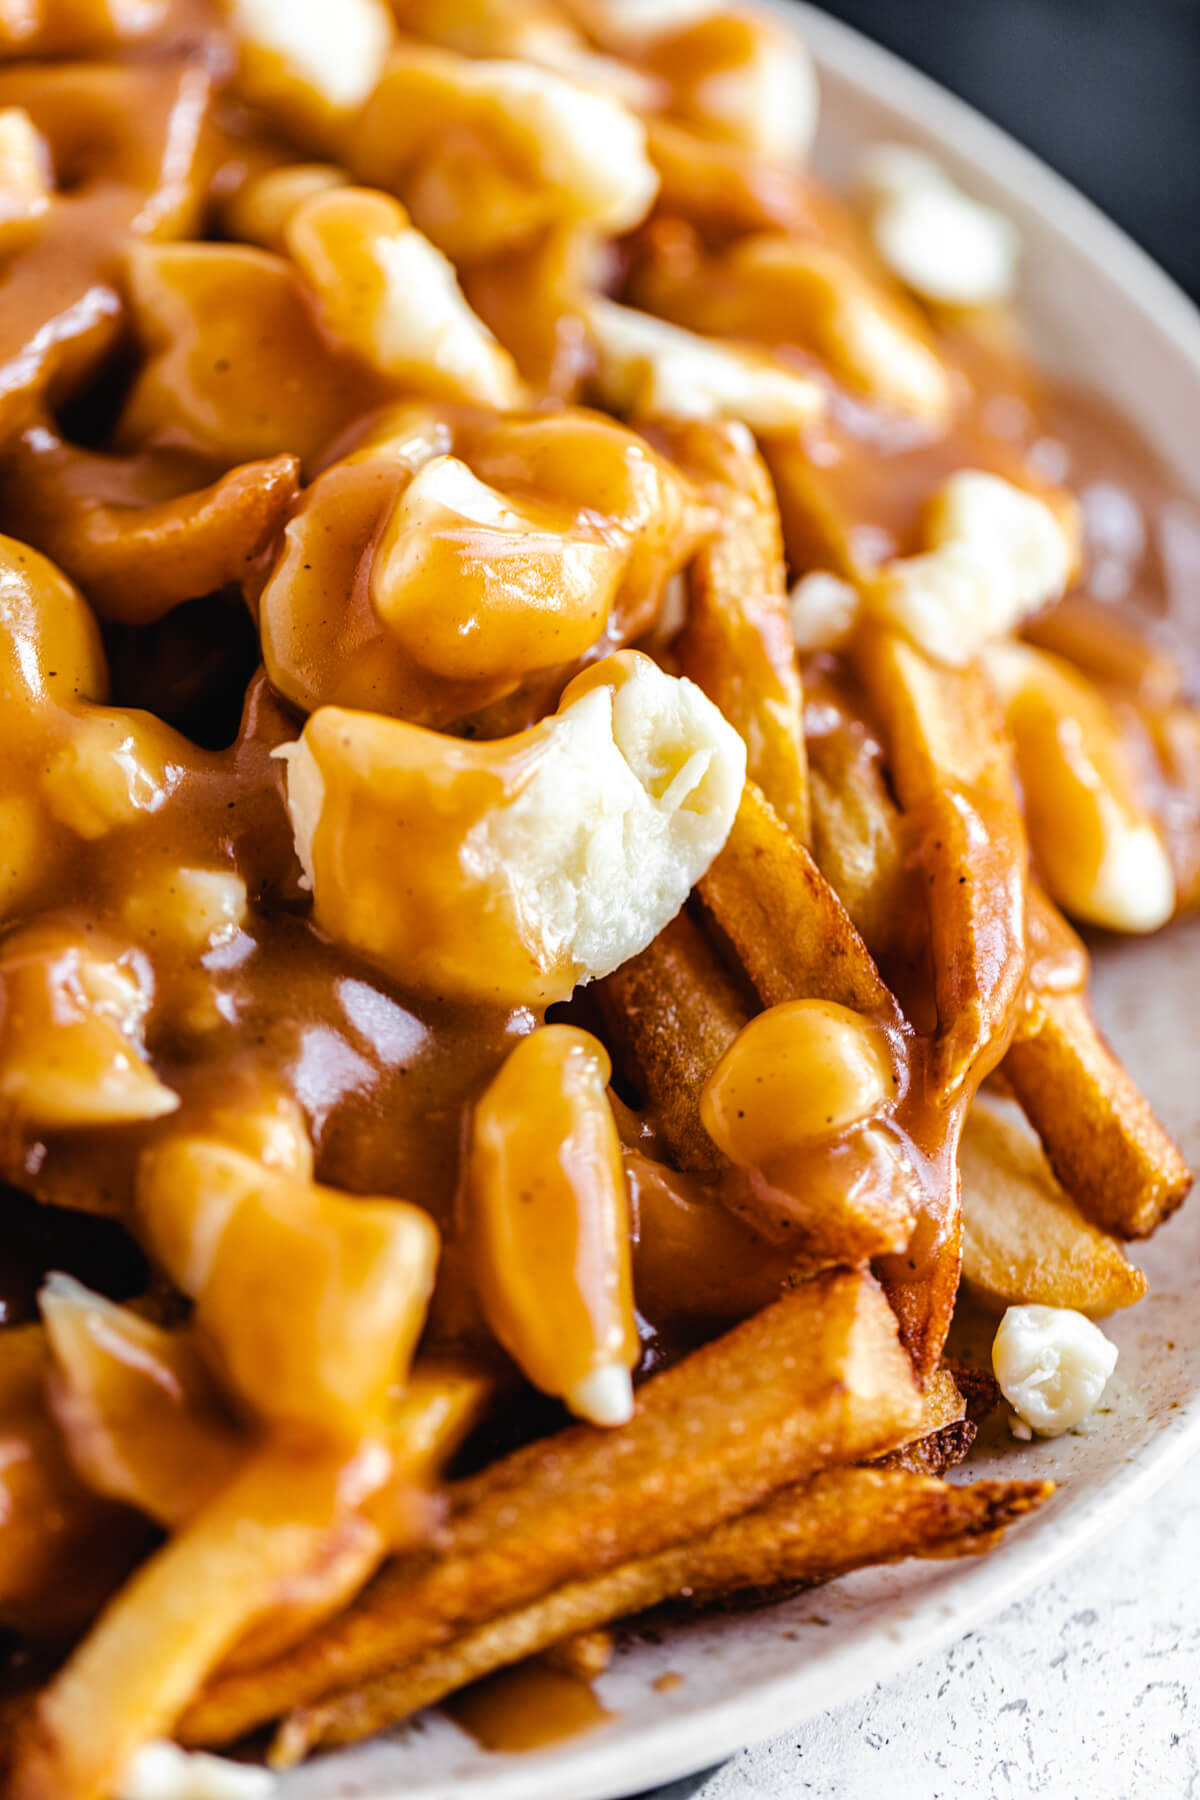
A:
x: 339, y: 51
x: 648, y: 367
x: 937, y: 240
x: 162, y: 1771
x: 1052, y: 1365
x: 589, y: 143
x: 824, y: 610
x: 996, y: 554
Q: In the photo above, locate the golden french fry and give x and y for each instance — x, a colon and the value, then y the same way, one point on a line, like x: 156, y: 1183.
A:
x: 281, y: 1514
x: 737, y: 642
x: 671, y: 1013
x: 817, y: 1377
x: 954, y: 782
x: 788, y: 928
x: 839, y: 1520
x: 857, y: 831
x: 1025, y: 1241
x: 698, y: 1267
x: 795, y: 939
x: 1104, y: 1143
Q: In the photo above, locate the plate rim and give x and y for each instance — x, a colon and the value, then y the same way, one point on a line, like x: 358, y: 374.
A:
x: 677, y: 1747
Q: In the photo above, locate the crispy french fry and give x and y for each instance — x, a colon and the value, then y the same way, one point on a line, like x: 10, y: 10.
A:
x: 737, y: 643
x: 946, y: 1432
x: 795, y: 940
x: 670, y: 1014
x: 938, y: 1451
x: 789, y: 930
x: 173, y: 1621
x: 1025, y: 1242
x: 840, y: 1520
x: 817, y: 1377
x: 857, y: 837
x: 1099, y: 1132
x: 954, y: 781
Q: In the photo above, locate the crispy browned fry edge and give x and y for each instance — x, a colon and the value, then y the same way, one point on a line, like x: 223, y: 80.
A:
x: 789, y: 930
x: 840, y: 1520
x: 670, y: 1014
x: 737, y: 643
x: 818, y: 1377
x: 946, y: 1432
x: 934, y: 1454
x: 1105, y: 1145
x: 953, y: 777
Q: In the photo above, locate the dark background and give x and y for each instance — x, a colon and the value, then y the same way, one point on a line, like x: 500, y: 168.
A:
x: 1106, y: 91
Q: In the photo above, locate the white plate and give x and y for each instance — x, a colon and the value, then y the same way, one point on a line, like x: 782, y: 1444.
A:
x: 1101, y: 311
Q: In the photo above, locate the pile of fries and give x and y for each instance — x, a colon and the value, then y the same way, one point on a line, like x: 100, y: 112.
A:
x: 552, y: 717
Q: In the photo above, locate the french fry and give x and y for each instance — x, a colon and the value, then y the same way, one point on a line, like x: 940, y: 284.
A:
x: 786, y: 925
x: 947, y: 1433
x: 737, y: 643
x: 670, y: 1014
x: 795, y: 940
x: 857, y: 836
x: 174, y: 1620
x: 1025, y: 1242
x: 1099, y: 1131
x: 839, y: 1520
x: 817, y: 1377
x: 954, y: 781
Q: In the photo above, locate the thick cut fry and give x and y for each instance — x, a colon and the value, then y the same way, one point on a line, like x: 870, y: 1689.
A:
x: 947, y: 1433
x: 790, y: 931
x: 1104, y: 1143
x: 818, y: 1377
x: 840, y: 1520
x: 857, y: 834
x: 795, y: 939
x: 1025, y: 1242
x: 737, y: 643
x: 955, y: 785
x: 173, y: 1621
x: 671, y: 1014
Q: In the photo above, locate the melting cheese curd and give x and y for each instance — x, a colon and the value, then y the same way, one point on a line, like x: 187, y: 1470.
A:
x: 1052, y: 1365
x: 511, y: 871
x: 162, y: 1771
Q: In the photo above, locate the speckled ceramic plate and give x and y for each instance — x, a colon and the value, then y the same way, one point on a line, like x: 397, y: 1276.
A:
x: 1102, y: 313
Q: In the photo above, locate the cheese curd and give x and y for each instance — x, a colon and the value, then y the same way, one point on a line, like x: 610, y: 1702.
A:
x: 1052, y: 1365
x: 511, y: 871
x: 648, y: 367
x: 162, y: 1771
x: 388, y: 295
x: 1097, y: 846
x: 996, y: 554
x: 937, y: 240
x: 316, y: 62
x: 26, y: 177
